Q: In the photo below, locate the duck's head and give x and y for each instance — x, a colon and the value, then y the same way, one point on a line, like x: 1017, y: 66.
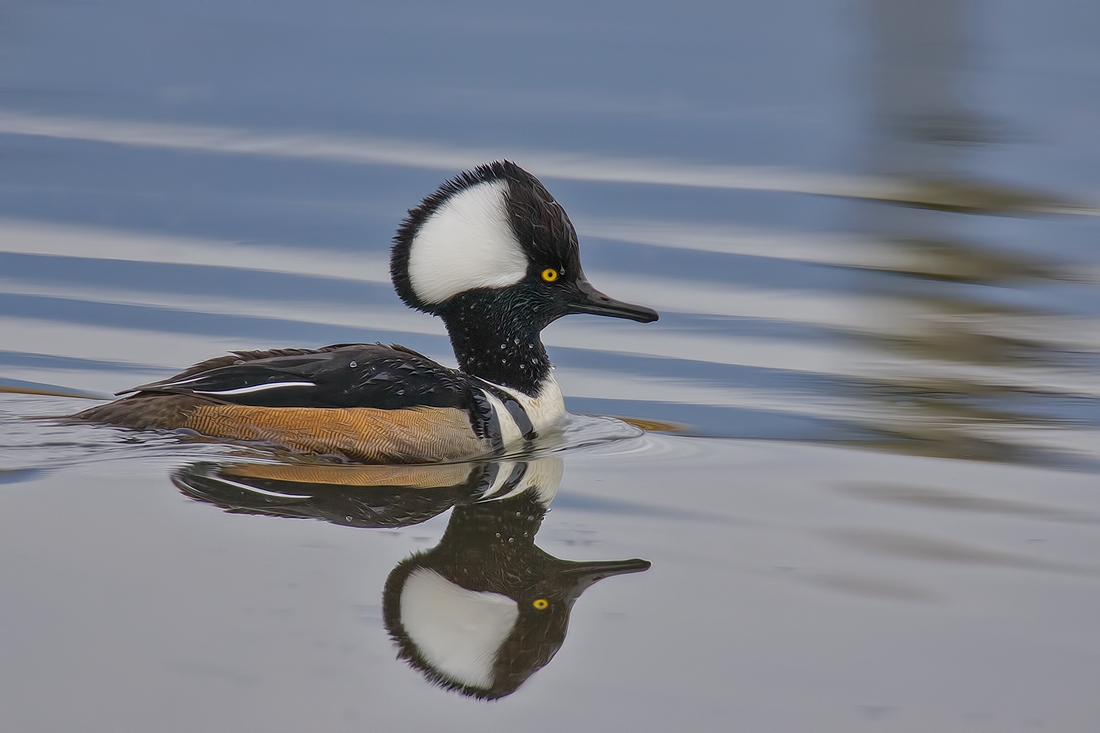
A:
x: 486, y: 608
x: 495, y: 235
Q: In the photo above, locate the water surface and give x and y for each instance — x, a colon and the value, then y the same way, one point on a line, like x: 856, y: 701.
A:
x: 867, y: 490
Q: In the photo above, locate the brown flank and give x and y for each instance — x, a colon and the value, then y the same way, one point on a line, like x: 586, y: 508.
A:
x: 363, y: 434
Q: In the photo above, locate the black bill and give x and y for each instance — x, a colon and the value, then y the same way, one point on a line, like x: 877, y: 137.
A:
x: 590, y: 300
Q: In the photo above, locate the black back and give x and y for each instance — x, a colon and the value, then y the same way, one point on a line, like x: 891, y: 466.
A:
x: 343, y: 375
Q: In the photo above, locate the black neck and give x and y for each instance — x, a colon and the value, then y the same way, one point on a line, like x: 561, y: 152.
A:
x: 497, y: 343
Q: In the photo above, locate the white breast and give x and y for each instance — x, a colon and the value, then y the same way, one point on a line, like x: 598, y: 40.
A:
x: 544, y: 410
x: 543, y: 475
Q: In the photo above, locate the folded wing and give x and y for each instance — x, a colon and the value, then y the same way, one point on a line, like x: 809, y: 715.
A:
x: 346, y: 375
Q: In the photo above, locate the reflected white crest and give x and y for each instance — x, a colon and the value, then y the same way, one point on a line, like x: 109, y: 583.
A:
x: 458, y: 631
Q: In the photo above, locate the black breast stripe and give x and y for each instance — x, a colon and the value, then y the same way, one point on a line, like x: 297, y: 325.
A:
x: 515, y: 409
x: 523, y: 422
x: 487, y: 425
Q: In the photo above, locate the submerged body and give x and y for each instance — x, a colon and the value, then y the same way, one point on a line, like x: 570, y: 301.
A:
x: 492, y: 254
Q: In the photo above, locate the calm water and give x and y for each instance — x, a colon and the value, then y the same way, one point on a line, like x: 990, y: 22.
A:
x: 869, y: 489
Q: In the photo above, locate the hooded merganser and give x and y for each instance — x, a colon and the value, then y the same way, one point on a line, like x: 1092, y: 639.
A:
x: 496, y: 257
x: 486, y: 608
x: 478, y: 613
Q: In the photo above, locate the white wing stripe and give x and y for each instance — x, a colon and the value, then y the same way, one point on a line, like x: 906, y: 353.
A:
x: 178, y: 382
x: 258, y: 490
x: 255, y: 388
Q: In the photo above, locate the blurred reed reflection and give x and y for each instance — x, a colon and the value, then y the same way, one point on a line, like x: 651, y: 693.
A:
x: 478, y: 613
x: 978, y: 358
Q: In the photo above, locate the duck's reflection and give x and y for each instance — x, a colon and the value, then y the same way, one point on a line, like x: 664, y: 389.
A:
x: 481, y: 611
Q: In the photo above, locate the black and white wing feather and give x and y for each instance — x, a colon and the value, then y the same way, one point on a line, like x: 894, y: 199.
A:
x: 356, y: 375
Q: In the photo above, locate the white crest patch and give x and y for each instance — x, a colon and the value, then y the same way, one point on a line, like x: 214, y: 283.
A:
x: 466, y: 243
x: 458, y: 631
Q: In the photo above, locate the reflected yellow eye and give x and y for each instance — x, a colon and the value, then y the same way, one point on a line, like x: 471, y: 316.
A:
x: 549, y: 274
x: 541, y: 603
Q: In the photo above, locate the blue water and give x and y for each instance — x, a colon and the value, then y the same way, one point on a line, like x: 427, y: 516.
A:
x: 868, y: 482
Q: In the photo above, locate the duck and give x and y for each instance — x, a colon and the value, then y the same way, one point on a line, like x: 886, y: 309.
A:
x: 481, y: 611
x: 494, y: 256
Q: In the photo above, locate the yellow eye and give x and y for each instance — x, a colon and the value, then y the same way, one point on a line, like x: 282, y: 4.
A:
x: 541, y: 603
x: 549, y: 274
